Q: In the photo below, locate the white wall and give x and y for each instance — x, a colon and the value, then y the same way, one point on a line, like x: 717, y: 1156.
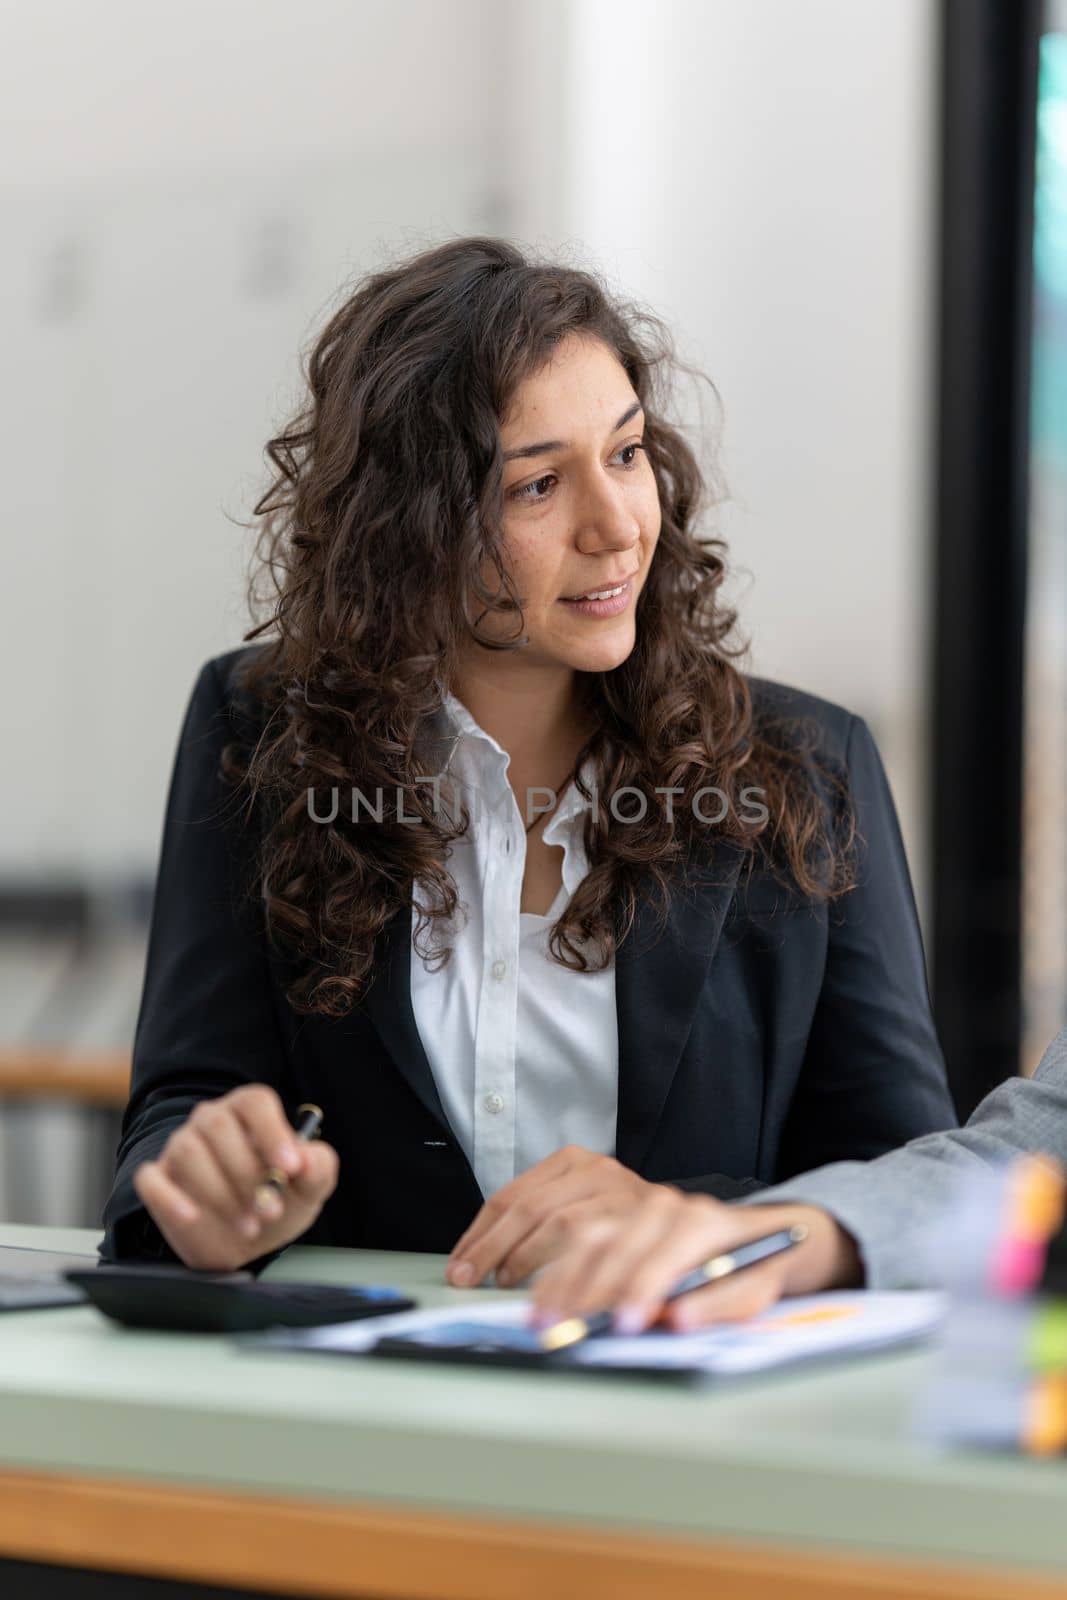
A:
x: 185, y: 191
x: 89, y: 91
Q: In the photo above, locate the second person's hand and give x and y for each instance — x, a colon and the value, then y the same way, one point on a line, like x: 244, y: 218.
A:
x: 200, y: 1192
x: 630, y: 1268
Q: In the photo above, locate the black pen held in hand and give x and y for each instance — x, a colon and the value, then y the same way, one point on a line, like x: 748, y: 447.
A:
x: 571, y: 1330
x: 275, y: 1181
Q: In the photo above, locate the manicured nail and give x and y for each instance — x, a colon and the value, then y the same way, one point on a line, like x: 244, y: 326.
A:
x: 186, y: 1210
x: 249, y: 1226
x: 545, y: 1317
x: 461, y: 1274
x: 629, y: 1320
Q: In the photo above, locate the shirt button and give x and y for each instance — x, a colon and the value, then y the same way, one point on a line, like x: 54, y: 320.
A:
x: 499, y: 969
x: 494, y: 1103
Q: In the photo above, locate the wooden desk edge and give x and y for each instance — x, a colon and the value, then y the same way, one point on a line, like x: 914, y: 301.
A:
x: 54, y: 1072
x: 331, y: 1548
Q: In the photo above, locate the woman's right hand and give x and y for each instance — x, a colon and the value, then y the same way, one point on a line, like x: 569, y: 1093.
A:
x: 200, y: 1192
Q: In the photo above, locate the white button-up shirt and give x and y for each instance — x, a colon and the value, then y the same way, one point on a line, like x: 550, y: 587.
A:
x: 524, y: 1052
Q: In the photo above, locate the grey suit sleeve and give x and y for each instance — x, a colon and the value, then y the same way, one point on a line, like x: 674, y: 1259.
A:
x: 887, y: 1204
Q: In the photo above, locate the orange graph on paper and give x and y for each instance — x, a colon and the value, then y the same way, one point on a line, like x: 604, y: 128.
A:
x: 805, y: 1319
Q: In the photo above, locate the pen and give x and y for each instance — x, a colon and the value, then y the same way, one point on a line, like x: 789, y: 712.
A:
x: 275, y: 1181
x: 574, y: 1329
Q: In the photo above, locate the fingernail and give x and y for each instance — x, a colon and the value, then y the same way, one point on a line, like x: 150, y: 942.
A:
x: 186, y: 1210
x: 249, y: 1226
x: 503, y: 1277
x: 628, y: 1320
x: 545, y: 1317
x: 461, y: 1274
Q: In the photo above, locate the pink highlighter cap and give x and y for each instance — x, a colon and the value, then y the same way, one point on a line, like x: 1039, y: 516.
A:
x: 1016, y: 1266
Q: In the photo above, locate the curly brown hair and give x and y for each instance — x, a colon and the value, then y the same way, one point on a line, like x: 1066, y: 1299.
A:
x: 384, y: 510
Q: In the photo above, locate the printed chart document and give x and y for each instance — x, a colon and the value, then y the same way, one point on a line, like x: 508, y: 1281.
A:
x: 807, y: 1328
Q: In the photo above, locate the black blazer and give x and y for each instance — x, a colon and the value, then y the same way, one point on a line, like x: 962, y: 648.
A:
x: 760, y: 1035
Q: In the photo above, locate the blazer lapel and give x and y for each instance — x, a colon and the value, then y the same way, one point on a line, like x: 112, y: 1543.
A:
x: 657, y: 989
x: 388, y: 1004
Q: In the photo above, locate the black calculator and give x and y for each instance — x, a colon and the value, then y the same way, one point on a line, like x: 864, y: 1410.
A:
x: 178, y: 1299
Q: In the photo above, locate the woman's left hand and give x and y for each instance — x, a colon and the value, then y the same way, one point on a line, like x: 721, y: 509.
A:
x: 536, y: 1216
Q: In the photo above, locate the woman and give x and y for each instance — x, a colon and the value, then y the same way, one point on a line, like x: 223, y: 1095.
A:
x: 540, y: 898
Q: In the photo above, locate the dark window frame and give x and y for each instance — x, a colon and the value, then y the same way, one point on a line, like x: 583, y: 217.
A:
x: 989, y: 54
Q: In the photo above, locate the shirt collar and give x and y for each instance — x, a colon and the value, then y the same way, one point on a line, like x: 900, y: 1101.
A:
x: 450, y: 725
x: 566, y: 827
x: 453, y: 725
x: 456, y: 719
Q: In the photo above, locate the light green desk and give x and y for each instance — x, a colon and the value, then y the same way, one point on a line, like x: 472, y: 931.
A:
x: 186, y: 1457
